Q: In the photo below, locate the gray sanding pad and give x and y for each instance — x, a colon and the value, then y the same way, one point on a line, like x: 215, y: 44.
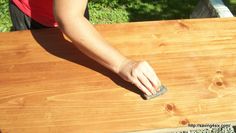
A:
x: 163, y: 90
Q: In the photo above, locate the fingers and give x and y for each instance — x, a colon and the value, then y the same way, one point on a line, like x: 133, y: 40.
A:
x: 137, y: 83
x: 151, y: 76
x: 147, y: 77
x: 142, y: 75
x: 145, y: 81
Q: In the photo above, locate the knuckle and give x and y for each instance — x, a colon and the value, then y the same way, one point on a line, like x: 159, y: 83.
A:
x: 131, y: 79
x: 134, y: 72
x: 135, y: 83
x: 140, y: 66
x: 137, y: 65
x: 145, y: 62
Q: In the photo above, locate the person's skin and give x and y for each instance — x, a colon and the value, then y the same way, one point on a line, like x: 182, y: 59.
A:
x: 70, y: 17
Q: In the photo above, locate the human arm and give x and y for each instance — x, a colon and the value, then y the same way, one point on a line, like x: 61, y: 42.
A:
x: 70, y: 17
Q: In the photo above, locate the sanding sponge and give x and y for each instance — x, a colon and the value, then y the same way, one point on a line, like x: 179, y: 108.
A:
x: 162, y: 90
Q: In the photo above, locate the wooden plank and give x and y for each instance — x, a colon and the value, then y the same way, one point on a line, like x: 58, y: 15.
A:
x: 228, y: 127
x: 211, y: 8
x: 46, y: 85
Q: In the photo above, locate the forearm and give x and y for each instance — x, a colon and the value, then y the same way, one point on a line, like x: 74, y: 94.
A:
x: 85, y: 37
x: 70, y: 17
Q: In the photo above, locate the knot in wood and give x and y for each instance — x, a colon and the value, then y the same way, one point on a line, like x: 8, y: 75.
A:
x: 184, y: 122
x: 170, y: 107
x: 219, y: 83
x: 219, y: 72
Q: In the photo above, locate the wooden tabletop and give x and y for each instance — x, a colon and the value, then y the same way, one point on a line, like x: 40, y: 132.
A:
x: 48, y: 86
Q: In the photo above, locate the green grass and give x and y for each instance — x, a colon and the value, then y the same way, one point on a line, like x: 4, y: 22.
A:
x: 119, y: 11
x: 232, y: 5
x: 5, y: 22
x: 104, y: 14
x: 113, y: 11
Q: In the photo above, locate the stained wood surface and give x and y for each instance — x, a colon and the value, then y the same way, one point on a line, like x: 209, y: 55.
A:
x: 47, y: 86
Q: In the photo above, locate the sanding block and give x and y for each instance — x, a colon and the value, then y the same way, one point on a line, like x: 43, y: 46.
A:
x: 162, y: 90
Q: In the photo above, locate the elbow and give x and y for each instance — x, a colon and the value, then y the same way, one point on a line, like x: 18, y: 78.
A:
x: 60, y: 16
x: 61, y: 20
x: 67, y: 19
x: 66, y: 13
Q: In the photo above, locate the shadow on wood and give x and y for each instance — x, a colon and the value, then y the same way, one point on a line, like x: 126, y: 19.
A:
x: 57, y: 45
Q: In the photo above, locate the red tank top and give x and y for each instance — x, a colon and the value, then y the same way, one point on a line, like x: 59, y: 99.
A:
x: 39, y: 10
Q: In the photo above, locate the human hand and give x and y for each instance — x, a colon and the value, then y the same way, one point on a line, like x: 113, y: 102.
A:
x: 141, y: 74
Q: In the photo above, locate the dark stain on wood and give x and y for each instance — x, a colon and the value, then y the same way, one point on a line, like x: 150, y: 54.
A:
x: 170, y: 107
x: 184, y: 26
x: 219, y: 83
x: 184, y: 122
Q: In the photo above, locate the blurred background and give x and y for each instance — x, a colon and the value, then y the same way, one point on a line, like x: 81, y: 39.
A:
x: 120, y: 11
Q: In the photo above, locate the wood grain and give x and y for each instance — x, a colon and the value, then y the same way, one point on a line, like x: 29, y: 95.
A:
x: 47, y: 86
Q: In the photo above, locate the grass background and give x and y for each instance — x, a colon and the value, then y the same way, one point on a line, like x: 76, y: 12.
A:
x: 118, y: 11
